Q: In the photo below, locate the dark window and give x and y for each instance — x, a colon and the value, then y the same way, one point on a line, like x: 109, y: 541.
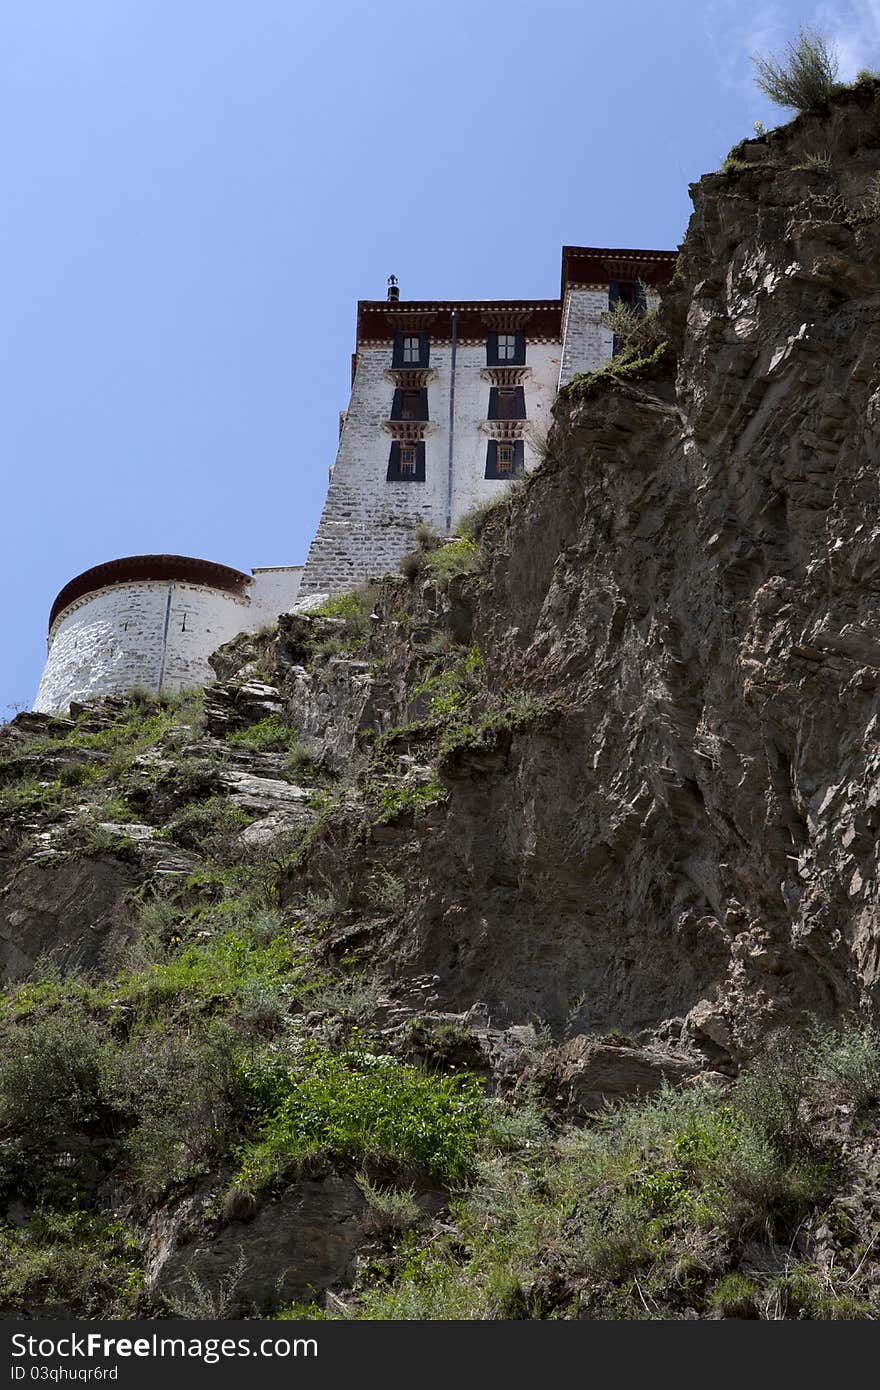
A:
x: 504, y: 458
x: 630, y: 292
x: 411, y: 350
x: 410, y: 404
x: 507, y: 403
x: 506, y: 349
x: 406, y: 463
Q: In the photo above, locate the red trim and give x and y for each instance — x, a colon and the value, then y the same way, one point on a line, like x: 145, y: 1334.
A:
x: 377, y: 319
x: 135, y: 568
x: 596, y: 265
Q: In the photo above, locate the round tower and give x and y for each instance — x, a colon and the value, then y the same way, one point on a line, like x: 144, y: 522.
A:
x: 144, y: 620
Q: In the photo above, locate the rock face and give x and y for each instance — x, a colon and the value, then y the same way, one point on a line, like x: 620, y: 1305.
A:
x: 687, y: 840
x: 66, y: 910
x: 294, y: 1248
x: 585, y: 1074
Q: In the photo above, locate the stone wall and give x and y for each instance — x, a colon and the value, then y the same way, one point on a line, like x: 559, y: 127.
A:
x: 586, y: 342
x: 153, y: 633
x: 367, y: 524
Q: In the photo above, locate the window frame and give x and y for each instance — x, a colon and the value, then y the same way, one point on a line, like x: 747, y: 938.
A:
x: 519, y: 356
x: 519, y: 397
x: 424, y: 355
x: 493, y: 469
x: 396, y: 472
x: 397, y: 403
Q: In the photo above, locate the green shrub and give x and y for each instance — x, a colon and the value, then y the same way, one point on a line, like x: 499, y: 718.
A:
x: 391, y: 1208
x: 270, y: 735
x: 354, y: 608
x: 805, y: 79
x: 386, y: 802
x: 363, y: 1107
x: 210, y: 826
x: 637, y: 331
x: 412, y: 565
x: 734, y: 1296
x: 210, y: 970
x: 455, y: 557
x: 54, y: 1074
x: 472, y: 523
x: 89, y: 1267
x: 772, y: 1094
x: 846, y: 1064
x: 186, y: 1096
x: 194, y: 778
x: 625, y: 365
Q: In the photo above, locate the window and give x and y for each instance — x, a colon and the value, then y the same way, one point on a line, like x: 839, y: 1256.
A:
x: 506, y: 349
x: 411, y: 350
x: 410, y: 403
x: 406, y: 463
x: 507, y: 403
x: 630, y: 292
x: 504, y: 459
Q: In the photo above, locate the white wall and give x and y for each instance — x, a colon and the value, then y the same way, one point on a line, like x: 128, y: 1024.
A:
x: 587, y: 343
x: 274, y: 589
x: 116, y: 638
x: 367, y: 524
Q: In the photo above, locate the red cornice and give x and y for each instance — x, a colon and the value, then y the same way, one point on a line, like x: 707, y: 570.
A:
x: 379, y: 320
x: 132, y: 568
x: 596, y: 265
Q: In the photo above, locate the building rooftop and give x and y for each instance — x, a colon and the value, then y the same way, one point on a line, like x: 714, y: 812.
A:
x: 183, y: 568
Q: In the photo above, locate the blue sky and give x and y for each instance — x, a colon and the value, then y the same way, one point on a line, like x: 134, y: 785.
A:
x: 197, y: 192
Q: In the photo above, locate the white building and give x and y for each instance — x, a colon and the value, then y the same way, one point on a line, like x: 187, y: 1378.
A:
x: 449, y: 402
x: 153, y: 621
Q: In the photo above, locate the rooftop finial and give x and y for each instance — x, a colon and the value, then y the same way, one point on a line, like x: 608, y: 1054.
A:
x: 393, y: 289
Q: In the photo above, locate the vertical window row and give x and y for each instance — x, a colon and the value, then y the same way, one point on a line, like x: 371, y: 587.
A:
x: 406, y: 460
x: 505, y: 457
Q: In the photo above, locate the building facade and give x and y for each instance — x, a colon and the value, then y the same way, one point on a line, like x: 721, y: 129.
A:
x: 450, y: 401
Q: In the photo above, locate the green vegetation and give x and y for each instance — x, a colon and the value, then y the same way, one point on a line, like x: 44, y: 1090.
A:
x: 210, y: 826
x: 472, y: 523
x: 515, y: 711
x: 439, y: 557
x: 805, y: 78
x: 270, y: 735
x: 624, y: 366
x: 88, y: 1266
x: 458, y: 556
x: 642, y: 1213
x: 363, y: 1107
x: 351, y: 612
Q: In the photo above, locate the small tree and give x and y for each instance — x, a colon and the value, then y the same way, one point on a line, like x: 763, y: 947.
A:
x: 805, y: 78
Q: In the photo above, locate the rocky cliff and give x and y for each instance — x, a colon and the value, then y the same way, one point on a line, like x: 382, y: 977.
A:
x: 582, y: 808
